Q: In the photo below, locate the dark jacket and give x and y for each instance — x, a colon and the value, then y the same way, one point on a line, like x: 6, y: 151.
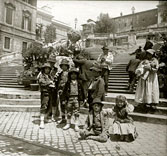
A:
x: 104, y: 115
x: 132, y: 65
x: 148, y: 45
x: 66, y: 92
x: 85, y: 65
x: 44, y: 82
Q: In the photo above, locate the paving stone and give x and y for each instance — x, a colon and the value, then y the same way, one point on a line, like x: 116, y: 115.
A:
x: 151, y: 138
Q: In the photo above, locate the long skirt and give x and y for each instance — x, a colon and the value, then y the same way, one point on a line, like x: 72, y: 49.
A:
x: 124, y: 129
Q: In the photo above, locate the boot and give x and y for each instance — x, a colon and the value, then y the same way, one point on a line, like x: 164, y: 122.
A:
x: 76, y: 124
x: 67, y: 126
x: 42, y: 126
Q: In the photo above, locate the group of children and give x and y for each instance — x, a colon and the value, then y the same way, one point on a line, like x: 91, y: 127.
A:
x: 67, y: 92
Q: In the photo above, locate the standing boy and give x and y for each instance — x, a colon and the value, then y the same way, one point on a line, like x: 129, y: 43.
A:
x: 45, y: 83
x: 73, y: 95
x: 61, y: 81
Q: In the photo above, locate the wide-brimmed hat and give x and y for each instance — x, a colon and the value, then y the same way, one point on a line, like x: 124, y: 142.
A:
x: 96, y: 67
x: 64, y: 62
x: 46, y: 65
x: 97, y: 101
x: 73, y: 70
x: 151, y: 51
x: 104, y: 48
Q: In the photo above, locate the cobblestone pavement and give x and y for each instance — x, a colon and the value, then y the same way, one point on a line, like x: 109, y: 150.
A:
x: 16, y: 147
x: 152, y: 139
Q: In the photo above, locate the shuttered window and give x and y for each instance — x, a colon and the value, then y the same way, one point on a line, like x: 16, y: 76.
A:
x: 9, y: 15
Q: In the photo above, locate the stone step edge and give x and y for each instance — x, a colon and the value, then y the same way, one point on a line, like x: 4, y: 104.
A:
x: 82, y: 109
x: 136, y: 114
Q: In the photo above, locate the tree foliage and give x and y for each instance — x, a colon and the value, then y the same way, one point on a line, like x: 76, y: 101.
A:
x: 104, y: 24
x: 50, y: 34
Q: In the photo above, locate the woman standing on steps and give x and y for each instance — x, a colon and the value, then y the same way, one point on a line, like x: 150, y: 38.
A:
x: 147, y: 91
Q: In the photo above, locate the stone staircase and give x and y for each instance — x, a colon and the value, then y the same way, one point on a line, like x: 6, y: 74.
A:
x: 9, y: 73
x: 118, y: 79
x: 14, y: 97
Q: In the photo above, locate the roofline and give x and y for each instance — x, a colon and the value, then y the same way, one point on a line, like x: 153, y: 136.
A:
x: 40, y: 11
x: 135, y: 13
x: 60, y: 23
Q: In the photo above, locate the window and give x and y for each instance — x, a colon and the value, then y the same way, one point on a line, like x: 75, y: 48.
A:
x: 24, y: 46
x: 9, y: 10
x: 26, y: 20
x: 7, y: 43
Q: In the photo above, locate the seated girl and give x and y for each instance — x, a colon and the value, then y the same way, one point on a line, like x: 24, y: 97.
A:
x: 123, y: 126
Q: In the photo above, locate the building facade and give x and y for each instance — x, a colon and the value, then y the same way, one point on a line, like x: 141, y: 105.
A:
x: 135, y: 26
x: 17, y: 25
x: 44, y: 18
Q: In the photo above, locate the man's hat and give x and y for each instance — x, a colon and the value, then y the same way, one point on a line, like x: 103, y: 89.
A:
x: 64, y: 62
x: 97, y: 101
x: 96, y: 67
x: 151, y: 51
x: 46, y: 65
x: 73, y: 70
x: 104, y: 48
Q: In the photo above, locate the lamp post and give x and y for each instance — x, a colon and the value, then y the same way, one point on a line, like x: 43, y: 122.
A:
x: 76, y: 20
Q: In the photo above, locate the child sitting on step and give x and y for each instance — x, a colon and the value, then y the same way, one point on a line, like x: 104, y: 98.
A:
x: 97, y: 123
x: 123, y: 126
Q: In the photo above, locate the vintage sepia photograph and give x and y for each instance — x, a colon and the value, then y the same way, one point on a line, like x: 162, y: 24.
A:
x: 83, y: 78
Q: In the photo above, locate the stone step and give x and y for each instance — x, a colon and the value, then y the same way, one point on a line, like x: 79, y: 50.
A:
x: 118, y: 84
x: 121, y: 87
x: 118, y: 81
x: 120, y: 91
x: 118, y: 72
x: 13, y: 80
x: 112, y: 73
x: 130, y: 97
x: 150, y: 118
x: 11, y: 86
x: 118, y: 76
x: 6, y: 76
x: 15, y: 102
x: 18, y: 93
x: 8, y: 83
x: 20, y: 108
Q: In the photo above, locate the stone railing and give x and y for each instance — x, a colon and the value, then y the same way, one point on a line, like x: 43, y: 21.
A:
x: 6, y: 58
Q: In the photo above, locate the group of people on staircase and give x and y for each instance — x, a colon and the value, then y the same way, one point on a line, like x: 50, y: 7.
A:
x: 145, y: 68
x: 85, y: 84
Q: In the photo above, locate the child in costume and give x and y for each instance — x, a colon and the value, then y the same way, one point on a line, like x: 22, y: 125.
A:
x: 97, y: 123
x: 61, y: 81
x: 73, y: 95
x: 123, y: 126
x: 45, y: 83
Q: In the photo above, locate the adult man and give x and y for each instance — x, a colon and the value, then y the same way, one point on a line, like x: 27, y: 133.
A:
x: 106, y: 60
x: 148, y: 44
x: 84, y: 73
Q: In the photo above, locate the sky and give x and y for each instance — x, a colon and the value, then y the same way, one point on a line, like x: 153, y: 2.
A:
x: 67, y: 11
